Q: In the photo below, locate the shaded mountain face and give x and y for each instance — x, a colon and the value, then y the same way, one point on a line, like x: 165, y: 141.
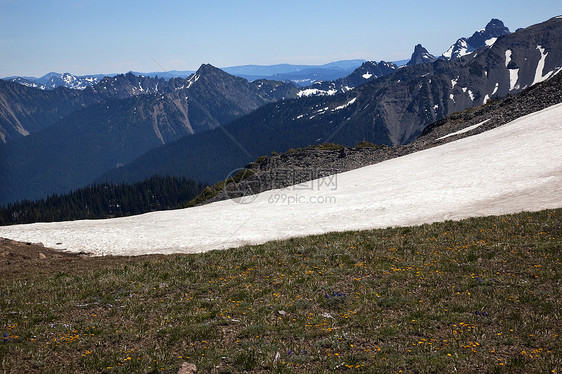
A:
x: 141, y: 113
x: 86, y: 143
x: 25, y: 110
x: 421, y: 56
x: 481, y: 38
x: 390, y: 110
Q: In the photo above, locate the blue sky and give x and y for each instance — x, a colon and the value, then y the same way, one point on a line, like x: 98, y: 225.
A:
x: 101, y: 36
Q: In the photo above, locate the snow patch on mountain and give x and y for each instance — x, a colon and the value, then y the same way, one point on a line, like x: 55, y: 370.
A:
x: 345, y: 105
x: 513, y: 72
x: 454, y: 82
x: 513, y: 78
x: 192, y: 80
x: 539, y: 73
x: 507, y: 57
x: 316, y: 92
x: 467, y: 129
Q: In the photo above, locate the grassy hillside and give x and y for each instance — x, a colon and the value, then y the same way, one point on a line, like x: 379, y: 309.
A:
x: 479, y: 295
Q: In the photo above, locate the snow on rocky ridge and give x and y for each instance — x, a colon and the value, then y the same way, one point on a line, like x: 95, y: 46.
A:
x: 496, y: 172
x: 485, y: 37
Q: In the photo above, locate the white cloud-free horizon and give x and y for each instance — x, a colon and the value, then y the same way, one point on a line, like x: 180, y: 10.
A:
x: 515, y: 167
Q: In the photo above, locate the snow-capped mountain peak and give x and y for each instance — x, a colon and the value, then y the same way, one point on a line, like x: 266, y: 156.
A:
x: 485, y: 37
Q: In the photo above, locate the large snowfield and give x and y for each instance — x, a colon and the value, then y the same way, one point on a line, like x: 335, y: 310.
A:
x: 515, y: 167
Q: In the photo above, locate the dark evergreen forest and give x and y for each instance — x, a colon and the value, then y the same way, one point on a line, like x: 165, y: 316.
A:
x: 105, y: 201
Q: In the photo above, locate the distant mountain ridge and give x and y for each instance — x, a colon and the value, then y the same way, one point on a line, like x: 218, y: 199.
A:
x: 299, y: 74
x: 53, y: 80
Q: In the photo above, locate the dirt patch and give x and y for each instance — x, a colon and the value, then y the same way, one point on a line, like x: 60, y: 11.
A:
x: 11, y: 251
x: 17, y: 257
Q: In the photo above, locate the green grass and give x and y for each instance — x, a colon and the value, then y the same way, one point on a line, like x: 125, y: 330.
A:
x: 479, y: 295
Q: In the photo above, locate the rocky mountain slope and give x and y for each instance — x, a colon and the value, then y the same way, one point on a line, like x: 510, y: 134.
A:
x: 298, y: 166
x: 403, y: 103
x: 138, y: 114
x: 25, y: 110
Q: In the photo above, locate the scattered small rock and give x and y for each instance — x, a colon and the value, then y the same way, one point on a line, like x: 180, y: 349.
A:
x: 282, y: 312
x: 187, y: 368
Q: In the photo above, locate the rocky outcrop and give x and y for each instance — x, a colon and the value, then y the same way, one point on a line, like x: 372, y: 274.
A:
x: 420, y: 56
